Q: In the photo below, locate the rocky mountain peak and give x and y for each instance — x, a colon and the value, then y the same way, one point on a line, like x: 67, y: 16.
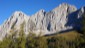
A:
x: 64, y: 4
x: 83, y: 9
x: 42, y: 10
x: 18, y: 14
x: 65, y: 7
x: 61, y: 18
x: 40, y: 13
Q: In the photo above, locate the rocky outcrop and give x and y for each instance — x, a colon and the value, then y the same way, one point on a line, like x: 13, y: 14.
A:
x: 64, y: 17
x: 14, y: 21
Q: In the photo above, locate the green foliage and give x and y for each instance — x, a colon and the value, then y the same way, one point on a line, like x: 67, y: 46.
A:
x: 5, y: 43
x: 80, y: 42
x: 31, y: 41
x: 22, y: 39
x: 83, y: 23
x: 57, y: 42
x: 42, y: 42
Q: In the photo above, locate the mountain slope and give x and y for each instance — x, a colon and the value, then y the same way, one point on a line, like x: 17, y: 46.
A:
x: 64, y: 17
x: 54, y: 20
x: 14, y: 21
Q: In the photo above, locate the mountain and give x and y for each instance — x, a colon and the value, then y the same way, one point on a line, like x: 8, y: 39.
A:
x: 14, y: 21
x: 64, y: 17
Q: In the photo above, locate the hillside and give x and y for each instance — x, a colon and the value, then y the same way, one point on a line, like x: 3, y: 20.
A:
x: 71, y: 39
x: 70, y: 35
x: 64, y: 17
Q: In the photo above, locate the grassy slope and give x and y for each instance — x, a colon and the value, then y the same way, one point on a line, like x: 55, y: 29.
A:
x: 71, y: 35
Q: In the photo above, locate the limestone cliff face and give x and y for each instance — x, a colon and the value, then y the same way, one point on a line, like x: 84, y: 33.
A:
x: 14, y: 21
x: 64, y: 17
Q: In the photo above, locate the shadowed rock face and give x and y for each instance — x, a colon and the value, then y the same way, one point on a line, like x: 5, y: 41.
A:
x: 62, y: 18
x: 74, y: 19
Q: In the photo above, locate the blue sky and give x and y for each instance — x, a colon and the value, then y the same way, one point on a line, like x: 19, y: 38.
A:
x: 7, y: 7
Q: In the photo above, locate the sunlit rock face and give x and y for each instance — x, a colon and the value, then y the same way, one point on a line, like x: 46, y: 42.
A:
x: 64, y: 17
x: 14, y: 21
x: 59, y: 17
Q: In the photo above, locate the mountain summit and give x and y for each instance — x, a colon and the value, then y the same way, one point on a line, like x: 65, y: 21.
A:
x: 62, y: 18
